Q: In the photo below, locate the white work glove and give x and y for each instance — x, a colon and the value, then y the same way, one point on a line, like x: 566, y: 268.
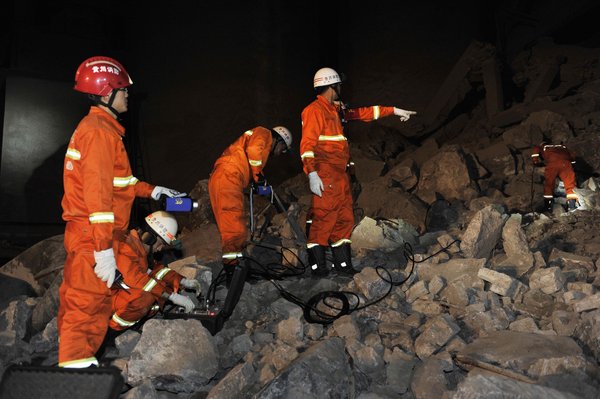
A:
x: 191, y: 284
x: 403, y: 114
x: 315, y: 182
x: 182, y: 300
x: 106, y: 266
x: 159, y: 190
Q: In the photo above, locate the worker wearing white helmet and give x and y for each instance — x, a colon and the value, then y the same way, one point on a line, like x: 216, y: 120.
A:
x: 325, y: 155
x: 239, y: 165
x: 149, y: 284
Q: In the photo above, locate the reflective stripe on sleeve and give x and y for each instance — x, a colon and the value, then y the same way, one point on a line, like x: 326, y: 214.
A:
x: 102, y: 217
x: 307, y: 154
x: 248, y: 132
x: 376, y: 112
x: 150, y: 285
x: 73, y: 154
x: 162, y: 273
x: 124, y: 181
x: 254, y: 162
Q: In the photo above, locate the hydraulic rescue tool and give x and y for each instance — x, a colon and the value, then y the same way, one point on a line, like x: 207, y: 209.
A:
x: 213, y: 317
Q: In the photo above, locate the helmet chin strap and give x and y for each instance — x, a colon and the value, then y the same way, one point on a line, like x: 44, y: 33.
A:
x: 342, y: 107
x: 149, y: 239
x: 111, y: 100
x: 334, y: 87
x: 150, y: 258
x: 108, y: 105
x: 276, y: 140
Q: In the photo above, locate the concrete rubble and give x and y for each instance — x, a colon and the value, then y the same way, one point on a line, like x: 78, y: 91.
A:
x: 463, y: 290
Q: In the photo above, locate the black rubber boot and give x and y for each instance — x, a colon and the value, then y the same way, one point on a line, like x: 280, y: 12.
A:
x: 571, y: 205
x: 317, y: 261
x: 548, y: 203
x: 342, y: 259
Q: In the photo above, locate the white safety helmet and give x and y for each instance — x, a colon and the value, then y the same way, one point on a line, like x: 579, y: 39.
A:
x: 326, y: 77
x: 163, y: 224
x: 285, y: 134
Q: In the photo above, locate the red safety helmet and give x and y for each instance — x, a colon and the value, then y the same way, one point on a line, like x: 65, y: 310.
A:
x: 100, y: 75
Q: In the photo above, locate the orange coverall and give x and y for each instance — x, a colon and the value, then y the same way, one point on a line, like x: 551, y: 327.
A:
x: 239, y: 164
x: 99, y: 191
x: 324, y: 149
x: 558, y: 160
x: 147, y: 293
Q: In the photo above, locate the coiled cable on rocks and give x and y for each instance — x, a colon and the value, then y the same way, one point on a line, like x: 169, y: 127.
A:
x: 327, y: 306
x: 314, y: 313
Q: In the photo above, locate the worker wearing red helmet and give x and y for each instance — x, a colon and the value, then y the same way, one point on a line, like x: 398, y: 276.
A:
x: 99, y: 189
x: 558, y: 161
x: 325, y: 155
x: 240, y: 165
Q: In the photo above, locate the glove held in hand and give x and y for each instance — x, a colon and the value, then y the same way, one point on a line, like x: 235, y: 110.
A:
x: 106, y: 266
x: 159, y: 190
x: 182, y: 300
x: 315, y: 182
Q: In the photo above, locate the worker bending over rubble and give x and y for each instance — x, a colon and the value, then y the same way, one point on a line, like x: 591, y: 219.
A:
x: 148, y: 285
x: 558, y: 161
x: 240, y: 165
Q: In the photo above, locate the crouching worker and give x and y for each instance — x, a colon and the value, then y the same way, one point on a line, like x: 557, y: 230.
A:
x: 149, y: 286
x: 558, y: 160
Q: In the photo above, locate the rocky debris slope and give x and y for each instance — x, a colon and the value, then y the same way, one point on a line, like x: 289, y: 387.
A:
x: 508, y: 304
x: 463, y: 290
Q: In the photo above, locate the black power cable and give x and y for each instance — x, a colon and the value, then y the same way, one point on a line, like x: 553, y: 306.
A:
x: 324, y: 307
x: 327, y: 306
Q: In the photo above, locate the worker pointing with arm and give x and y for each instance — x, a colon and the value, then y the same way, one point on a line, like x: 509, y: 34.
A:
x: 325, y: 155
x: 99, y: 189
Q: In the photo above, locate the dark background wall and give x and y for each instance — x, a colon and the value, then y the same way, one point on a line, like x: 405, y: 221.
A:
x: 204, y: 72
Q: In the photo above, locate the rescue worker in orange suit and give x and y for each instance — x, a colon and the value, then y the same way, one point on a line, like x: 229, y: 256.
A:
x: 148, y: 286
x: 325, y: 155
x: 99, y: 189
x: 241, y: 164
x: 558, y: 161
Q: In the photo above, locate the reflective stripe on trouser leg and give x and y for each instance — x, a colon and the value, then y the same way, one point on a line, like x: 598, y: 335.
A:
x: 227, y: 201
x: 567, y: 175
x: 129, y: 307
x: 84, y: 313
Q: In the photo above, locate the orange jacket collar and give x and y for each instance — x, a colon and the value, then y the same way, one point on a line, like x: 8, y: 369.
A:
x: 325, y: 102
x: 105, y: 115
